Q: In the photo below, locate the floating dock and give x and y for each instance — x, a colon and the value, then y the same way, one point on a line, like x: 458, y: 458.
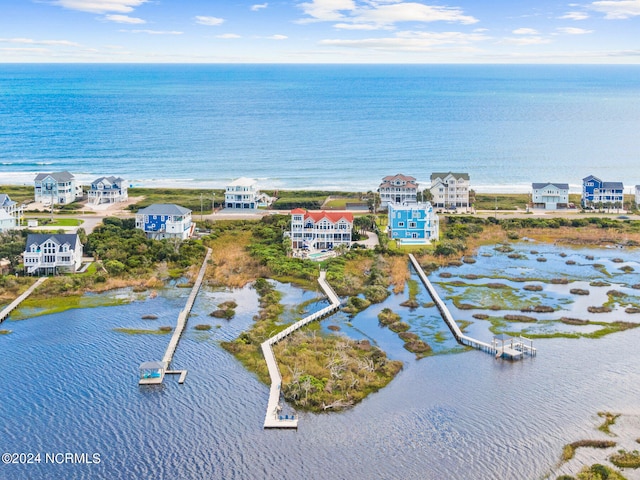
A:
x: 273, y: 418
x: 13, y: 305
x: 177, y: 333
x: 512, y: 350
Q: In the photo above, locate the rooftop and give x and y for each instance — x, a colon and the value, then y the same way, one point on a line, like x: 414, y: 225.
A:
x: 561, y: 186
x: 164, y: 209
x: 58, y: 176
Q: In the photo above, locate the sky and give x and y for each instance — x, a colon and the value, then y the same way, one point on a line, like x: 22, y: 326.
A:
x: 320, y: 31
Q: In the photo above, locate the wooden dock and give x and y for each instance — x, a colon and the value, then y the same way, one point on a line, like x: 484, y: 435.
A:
x: 515, y: 351
x: 182, y: 322
x: 13, y: 305
x: 273, y: 418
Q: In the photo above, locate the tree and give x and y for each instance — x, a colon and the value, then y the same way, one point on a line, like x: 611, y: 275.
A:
x: 373, y: 201
x: 425, y: 196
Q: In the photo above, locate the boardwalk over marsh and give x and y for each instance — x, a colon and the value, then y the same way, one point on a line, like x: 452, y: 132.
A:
x: 13, y: 305
x: 273, y: 419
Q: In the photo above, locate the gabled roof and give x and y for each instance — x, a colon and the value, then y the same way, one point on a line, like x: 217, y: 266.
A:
x: 560, y: 186
x: 5, y: 201
x: 591, y: 177
x: 613, y: 185
x: 110, y: 179
x: 457, y: 176
x: 333, y: 217
x: 243, y: 182
x: 60, y: 238
x: 410, y: 182
x: 164, y: 209
x: 58, y: 176
x: 406, y: 178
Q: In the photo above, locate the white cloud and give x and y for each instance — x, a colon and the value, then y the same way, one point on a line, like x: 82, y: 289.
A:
x: 31, y: 41
x: 209, y: 21
x: 277, y: 37
x: 327, y: 10
x: 124, y: 19
x: 525, y: 31
x: 155, y: 32
x: 529, y: 40
x: 573, y: 31
x: 11, y: 50
x: 259, y: 6
x: 574, y: 16
x: 411, y: 12
x: 228, y: 36
x: 411, y: 41
x: 100, y: 6
x: 356, y: 26
x: 380, y: 13
x: 617, y: 9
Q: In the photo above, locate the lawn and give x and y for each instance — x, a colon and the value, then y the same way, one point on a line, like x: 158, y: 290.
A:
x: 189, y: 198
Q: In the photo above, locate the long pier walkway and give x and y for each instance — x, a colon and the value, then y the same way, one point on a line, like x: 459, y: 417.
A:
x: 13, y: 305
x: 154, y: 372
x: 184, y: 313
x: 461, y: 338
x: 273, y: 419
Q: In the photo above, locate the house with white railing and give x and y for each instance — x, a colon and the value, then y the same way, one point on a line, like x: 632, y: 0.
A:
x: 412, y: 223
x: 243, y: 194
x: 55, y: 188
x: 597, y: 193
x: 50, y: 254
x: 108, y: 190
x: 12, y: 208
x: 320, y: 230
x: 450, y: 190
x: 165, y: 220
x: 398, y: 188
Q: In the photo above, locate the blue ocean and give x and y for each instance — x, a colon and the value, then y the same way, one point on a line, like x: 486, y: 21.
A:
x: 320, y: 126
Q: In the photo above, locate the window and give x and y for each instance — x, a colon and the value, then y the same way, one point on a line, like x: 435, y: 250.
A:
x: 401, y: 224
x: 412, y: 224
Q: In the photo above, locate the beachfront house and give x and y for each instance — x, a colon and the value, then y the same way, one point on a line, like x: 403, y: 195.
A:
x: 50, y: 254
x: 7, y: 222
x: 55, y: 188
x: 450, y: 190
x: 599, y: 194
x: 550, y: 196
x: 320, y: 230
x: 108, y: 190
x: 398, y: 188
x: 243, y: 194
x: 12, y: 208
x: 412, y: 223
x: 165, y: 220
x: 637, y: 196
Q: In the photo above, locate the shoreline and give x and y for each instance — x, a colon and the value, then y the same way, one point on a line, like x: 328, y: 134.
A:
x: 25, y: 179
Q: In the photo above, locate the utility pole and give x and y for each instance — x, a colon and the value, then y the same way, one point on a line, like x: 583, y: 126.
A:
x: 201, y: 207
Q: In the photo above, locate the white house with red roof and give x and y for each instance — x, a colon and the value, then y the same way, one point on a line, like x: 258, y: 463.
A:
x: 320, y: 230
x: 398, y: 188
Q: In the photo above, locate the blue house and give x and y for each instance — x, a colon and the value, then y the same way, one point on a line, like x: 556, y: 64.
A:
x: 412, y: 223
x: 605, y: 194
x: 165, y: 220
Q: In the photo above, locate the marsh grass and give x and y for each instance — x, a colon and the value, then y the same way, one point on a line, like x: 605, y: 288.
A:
x: 142, y: 331
x: 34, y: 307
x: 568, y: 452
x: 609, y: 419
x: 626, y: 459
